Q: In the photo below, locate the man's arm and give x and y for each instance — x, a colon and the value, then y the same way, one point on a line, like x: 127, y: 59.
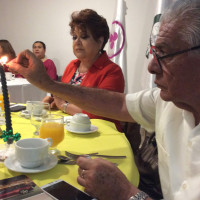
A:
x: 97, y: 101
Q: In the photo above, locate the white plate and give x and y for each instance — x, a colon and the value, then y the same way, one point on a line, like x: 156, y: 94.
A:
x: 92, y: 130
x: 12, y: 164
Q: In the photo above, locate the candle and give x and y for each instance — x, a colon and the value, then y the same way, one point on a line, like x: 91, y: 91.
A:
x: 6, y: 98
x: 8, y: 135
x: 3, y: 60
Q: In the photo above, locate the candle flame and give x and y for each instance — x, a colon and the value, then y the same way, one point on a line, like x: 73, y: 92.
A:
x: 3, y: 60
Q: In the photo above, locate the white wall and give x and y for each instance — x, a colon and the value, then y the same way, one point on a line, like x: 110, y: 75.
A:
x: 24, y: 21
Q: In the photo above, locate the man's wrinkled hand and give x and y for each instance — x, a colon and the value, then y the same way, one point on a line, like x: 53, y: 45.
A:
x: 102, y: 179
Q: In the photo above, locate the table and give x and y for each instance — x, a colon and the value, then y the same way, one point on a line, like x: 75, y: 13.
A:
x: 107, y: 140
x: 21, y: 90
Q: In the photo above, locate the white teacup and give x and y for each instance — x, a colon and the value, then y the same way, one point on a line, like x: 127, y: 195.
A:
x: 37, y: 107
x: 29, y: 105
x: 32, y: 152
x: 80, y: 122
x: 9, y: 76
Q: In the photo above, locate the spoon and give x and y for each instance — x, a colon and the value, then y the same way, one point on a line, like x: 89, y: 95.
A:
x: 65, y: 160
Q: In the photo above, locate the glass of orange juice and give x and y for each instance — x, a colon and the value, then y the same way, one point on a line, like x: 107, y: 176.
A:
x: 2, y: 112
x: 2, y: 101
x: 53, y: 127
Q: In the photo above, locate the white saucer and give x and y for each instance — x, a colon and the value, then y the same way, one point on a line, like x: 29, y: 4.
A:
x: 12, y: 164
x: 25, y: 114
x: 92, y: 130
x: 67, y: 119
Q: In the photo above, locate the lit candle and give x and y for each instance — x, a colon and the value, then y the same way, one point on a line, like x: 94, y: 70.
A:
x: 3, y: 60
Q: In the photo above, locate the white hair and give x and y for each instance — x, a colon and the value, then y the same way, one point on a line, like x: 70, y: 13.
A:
x: 187, y: 14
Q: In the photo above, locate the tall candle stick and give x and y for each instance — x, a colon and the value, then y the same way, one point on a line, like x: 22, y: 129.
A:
x: 8, y: 134
x: 5, y: 99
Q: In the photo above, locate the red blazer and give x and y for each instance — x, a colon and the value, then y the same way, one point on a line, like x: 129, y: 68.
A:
x: 103, y: 74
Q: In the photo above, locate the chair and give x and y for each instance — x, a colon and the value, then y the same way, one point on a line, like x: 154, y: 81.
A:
x: 146, y: 158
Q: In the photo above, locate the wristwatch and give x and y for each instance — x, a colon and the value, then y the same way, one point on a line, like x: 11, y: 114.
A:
x: 65, y: 106
x: 139, y: 196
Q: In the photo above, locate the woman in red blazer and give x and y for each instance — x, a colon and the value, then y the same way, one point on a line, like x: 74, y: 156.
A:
x: 92, y: 68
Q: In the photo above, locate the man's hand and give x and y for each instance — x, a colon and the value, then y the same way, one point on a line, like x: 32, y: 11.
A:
x: 32, y: 68
x: 103, y: 180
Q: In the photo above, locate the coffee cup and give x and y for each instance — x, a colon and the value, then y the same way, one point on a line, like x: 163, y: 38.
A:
x: 27, y: 113
x: 9, y: 76
x: 32, y: 152
x: 80, y: 122
x: 29, y: 105
x: 37, y: 107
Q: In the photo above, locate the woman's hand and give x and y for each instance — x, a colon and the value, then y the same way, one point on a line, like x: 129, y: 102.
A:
x: 59, y: 103
x: 50, y: 100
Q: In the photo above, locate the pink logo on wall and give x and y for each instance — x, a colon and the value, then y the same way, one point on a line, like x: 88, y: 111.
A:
x: 116, y: 40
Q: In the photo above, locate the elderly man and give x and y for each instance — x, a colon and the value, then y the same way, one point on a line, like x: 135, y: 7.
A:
x: 172, y: 110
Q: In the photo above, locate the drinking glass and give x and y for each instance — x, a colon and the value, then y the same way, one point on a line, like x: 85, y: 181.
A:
x: 53, y: 127
x: 39, y: 111
x: 2, y: 112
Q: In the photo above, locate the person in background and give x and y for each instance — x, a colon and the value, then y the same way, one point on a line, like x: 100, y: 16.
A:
x: 92, y: 68
x: 7, y: 50
x: 39, y: 49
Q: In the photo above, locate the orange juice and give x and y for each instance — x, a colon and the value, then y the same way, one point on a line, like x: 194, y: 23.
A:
x: 2, y: 101
x: 52, y: 130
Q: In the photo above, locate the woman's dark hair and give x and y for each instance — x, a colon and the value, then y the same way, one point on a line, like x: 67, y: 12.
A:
x: 89, y: 19
x: 42, y: 43
x: 7, y: 49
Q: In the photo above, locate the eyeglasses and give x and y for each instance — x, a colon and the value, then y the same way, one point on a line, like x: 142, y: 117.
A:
x: 157, y: 58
